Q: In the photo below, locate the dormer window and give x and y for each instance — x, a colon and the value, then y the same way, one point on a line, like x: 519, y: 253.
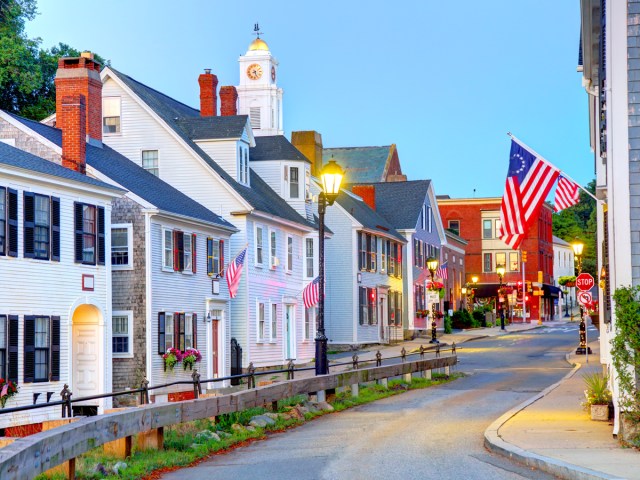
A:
x: 243, y: 165
x: 294, y: 183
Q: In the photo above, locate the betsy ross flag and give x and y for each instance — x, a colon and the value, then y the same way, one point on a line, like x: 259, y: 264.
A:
x: 529, y: 180
x: 311, y: 293
x: 567, y: 194
x: 442, y: 271
x: 234, y: 270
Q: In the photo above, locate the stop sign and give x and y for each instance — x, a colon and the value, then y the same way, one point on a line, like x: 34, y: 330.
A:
x: 585, y: 282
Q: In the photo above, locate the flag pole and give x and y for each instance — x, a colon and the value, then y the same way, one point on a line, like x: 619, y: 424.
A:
x: 524, y: 145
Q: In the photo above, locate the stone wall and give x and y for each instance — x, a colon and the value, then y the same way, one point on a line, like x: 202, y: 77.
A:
x: 27, y: 143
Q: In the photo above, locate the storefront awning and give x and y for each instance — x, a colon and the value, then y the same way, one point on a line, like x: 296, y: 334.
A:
x: 551, y: 291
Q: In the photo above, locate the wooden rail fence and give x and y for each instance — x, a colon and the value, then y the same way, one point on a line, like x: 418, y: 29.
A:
x: 29, y: 456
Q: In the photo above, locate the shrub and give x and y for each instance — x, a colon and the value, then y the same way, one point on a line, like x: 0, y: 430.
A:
x: 461, y: 319
x: 479, y: 317
x: 447, y: 324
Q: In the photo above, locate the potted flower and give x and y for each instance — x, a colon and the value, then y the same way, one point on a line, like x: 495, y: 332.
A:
x: 7, y: 390
x: 591, y: 309
x: 190, y: 357
x: 597, y: 396
x: 171, y: 357
x: 567, y: 281
x: 439, y: 314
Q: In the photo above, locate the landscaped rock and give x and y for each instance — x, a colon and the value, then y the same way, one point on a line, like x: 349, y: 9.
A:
x: 101, y: 470
x: 295, y: 413
x: 223, y: 434
x: 118, y: 467
x: 273, y: 416
x: 311, y: 407
x: 261, y: 421
x: 207, y: 435
x: 251, y: 428
x: 327, y: 407
x: 237, y: 427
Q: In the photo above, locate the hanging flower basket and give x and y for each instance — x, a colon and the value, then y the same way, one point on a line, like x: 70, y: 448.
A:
x: 171, y: 357
x: 12, y: 389
x: 435, y: 286
x: 190, y: 357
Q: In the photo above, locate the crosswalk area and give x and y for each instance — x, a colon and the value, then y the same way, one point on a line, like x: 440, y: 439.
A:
x: 563, y: 329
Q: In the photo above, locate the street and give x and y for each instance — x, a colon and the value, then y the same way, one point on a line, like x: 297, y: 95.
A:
x: 431, y: 433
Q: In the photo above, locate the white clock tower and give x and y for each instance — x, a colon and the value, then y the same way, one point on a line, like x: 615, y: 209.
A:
x: 258, y: 95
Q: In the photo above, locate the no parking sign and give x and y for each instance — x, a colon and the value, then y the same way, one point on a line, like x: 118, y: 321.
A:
x: 584, y: 298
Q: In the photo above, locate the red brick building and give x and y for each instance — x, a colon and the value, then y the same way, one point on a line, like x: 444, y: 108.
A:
x: 477, y: 221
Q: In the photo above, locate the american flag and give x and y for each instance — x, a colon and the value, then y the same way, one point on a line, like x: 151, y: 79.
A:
x: 234, y: 270
x: 529, y: 180
x: 442, y: 271
x: 311, y: 293
x: 567, y: 194
x: 5, y: 390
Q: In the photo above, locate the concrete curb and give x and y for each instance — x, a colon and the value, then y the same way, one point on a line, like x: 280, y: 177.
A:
x: 494, y: 443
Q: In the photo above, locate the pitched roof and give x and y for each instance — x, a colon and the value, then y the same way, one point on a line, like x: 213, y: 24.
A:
x: 212, y: 128
x: 133, y: 177
x: 19, y: 158
x: 559, y: 241
x: 275, y: 147
x: 361, y: 164
x: 409, y: 194
x: 172, y: 112
x: 369, y: 218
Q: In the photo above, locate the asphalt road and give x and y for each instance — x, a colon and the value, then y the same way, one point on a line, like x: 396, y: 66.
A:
x: 432, y: 433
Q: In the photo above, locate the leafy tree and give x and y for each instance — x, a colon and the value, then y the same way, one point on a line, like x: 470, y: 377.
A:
x: 27, y: 72
x: 579, y: 223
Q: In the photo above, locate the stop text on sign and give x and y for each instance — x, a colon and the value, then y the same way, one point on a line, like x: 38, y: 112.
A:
x: 585, y: 282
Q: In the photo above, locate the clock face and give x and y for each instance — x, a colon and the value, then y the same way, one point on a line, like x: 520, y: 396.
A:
x: 273, y: 73
x: 254, y: 71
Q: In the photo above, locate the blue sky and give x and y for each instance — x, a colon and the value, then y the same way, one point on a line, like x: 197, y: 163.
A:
x: 445, y: 81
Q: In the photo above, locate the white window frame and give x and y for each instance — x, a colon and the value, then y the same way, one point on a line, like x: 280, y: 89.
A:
x: 424, y: 216
x: 308, y: 258
x: 289, y: 254
x: 129, y: 315
x: 119, y: 132
x: 260, y: 244
x: 188, y: 329
x: 429, y: 219
x: 157, y: 165
x: 309, y: 324
x: 187, y: 255
x: 273, y: 322
x: 290, y: 183
x: 169, y: 321
x: 129, y: 265
x: 260, y: 322
x: 165, y: 266
x: 273, y: 249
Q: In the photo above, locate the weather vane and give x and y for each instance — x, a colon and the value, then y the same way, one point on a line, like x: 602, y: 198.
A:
x: 256, y: 30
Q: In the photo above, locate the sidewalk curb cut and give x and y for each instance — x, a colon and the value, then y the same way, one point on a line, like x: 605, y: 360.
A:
x: 494, y: 443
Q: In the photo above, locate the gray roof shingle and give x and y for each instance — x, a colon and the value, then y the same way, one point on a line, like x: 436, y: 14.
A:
x: 18, y: 158
x: 261, y: 197
x: 275, y: 147
x: 409, y: 194
x: 369, y: 218
x: 132, y: 177
x: 213, y: 128
x: 361, y: 164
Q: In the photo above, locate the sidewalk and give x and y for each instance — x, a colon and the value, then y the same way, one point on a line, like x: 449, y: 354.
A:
x: 552, y: 432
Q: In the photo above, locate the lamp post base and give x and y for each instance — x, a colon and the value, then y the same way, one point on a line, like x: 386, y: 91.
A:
x: 583, y: 351
x: 322, y: 363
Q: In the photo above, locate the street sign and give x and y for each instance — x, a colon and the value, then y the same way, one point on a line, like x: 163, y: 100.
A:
x: 585, y: 282
x: 584, y: 298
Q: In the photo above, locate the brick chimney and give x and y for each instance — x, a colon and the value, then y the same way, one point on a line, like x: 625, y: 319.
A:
x: 228, y: 101
x: 367, y: 193
x: 81, y: 76
x: 208, y: 96
x: 72, y: 120
x: 310, y: 145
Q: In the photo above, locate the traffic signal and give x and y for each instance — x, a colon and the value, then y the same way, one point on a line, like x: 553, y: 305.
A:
x: 524, y: 256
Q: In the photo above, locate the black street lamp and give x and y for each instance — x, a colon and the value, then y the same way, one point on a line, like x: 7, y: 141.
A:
x: 500, y: 270
x: 582, y: 349
x: 432, y: 266
x: 331, y: 175
x: 467, y: 291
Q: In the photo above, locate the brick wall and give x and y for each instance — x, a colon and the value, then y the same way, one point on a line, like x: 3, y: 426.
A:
x: 129, y: 293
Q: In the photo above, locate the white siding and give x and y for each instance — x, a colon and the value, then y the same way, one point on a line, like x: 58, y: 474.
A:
x: 272, y: 172
x: 225, y: 153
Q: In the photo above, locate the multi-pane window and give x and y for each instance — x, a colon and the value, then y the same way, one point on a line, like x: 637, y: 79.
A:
x: 309, y: 257
x: 120, y: 246
x: 3, y: 346
x: 150, y: 161
x: 111, y: 115
x: 289, y: 254
x: 423, y: 217
x: 41, y: 227
x: 309, y: 322
x: 487, y: 265
x: 121, y: 335
x: 188, y: 331
x: 368, y: 306
x: 372, y: 245
x: 274, y: 321
x: 88, y: 226
x: 261, y: 320
x: 454, y: 226
x: 395, y: 308
x: 187, y: 252
x: 259, y: 246
x: 41, y: 349
x: 243, y: 165
x: 176, y: 330
x: 429, y: 219
x: 487, y: 229
x: 245, y: 154
x: 169, y: 334
x: 273, y: 248
x: 501, y: 259
x: 362, y: 251
x: 514, y: 264
x: 498, y: 227
x: 368, y: 251
x: 383, y: 255
x: 294, y: 183
x: 215, y: 257
x: 168, y: 249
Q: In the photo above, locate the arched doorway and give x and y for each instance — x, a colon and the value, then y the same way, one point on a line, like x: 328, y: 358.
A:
x: 87, y: 357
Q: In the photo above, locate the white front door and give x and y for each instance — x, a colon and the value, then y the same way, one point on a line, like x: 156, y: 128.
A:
x: 86, y: 361
x: 290, y: 334
x: 384, y: 320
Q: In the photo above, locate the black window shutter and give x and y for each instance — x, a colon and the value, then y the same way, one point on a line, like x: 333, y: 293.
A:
x: 180, y: 250
x: 29, y: 210
x: 181, y: 330
x: 55, y: 229
x: 12, y: 372
x: 29, y: 348
x: 361, y: 291
x: 194, y: 269
x: 13, y: 222
x: 360, y: 265
x: 194, y: 323
x: 161, y: 330
x: 221, y: 267
x: 78, y: 220
x: 210, y: 256
x: 101, y: 242
x: 55, y: 349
